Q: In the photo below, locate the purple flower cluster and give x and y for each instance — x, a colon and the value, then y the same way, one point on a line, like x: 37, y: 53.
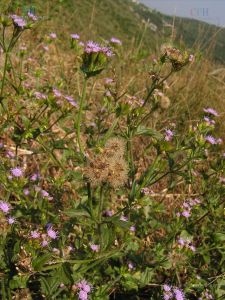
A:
x: 95, y: 248
x: 123, y: 218
x: 70, y: 99
x: 187, y: 207
x: 53, y: 35
x: 209, y: 121
x: 92, y: 47
x: 169, y: 135
x: 172, y: 293
x: 40, y: 96
x: 5, y: 207
x: 115, y: 41
x: 186, y: 244
x: 16, y: 172
x: 211, y: 111
x: 84, y: 290
x: 32, y: 16
x: 206, y: 296
x: 18, y: 21
x: 213, y: 141
x: 75, y: 36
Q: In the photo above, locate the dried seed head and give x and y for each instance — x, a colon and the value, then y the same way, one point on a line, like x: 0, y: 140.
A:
x: 115, y: 147
x: 164, y: 102
x: 118, y: 172
x: 97, y: 171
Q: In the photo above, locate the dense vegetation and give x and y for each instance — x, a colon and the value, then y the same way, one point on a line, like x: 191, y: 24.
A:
x: 110, y: 189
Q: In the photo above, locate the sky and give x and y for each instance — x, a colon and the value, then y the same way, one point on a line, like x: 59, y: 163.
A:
x: 210, y: 11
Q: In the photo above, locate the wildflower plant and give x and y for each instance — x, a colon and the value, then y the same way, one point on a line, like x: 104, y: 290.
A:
x: 96, y: 199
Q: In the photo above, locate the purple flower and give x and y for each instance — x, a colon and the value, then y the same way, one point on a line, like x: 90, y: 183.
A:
x: 5, y: 207
x: 16, y: 172
x: 18, y: 21
x: 53, y: 35
x: 209, y: 121
x: 123, y: 218
x: 71, y: 101
x: 85, y: 286
x: 130, y: 266
x: 35, y: 234
x: 186, y: 214
x: 169, y: 135
x: 92, y: 47
x: 11, y: 220
x: 44, y: 193
x: 32, y: 16
x: 213, y: 141
x: 40, y: 96
x: 57, y: 93
x: 115, y: 41
x: 108, y: 81
x: 83, y: 295
x: 211, y: 111
x: 44, y: 243
x: 52, y: 233
x: 95, y: 248
x: 35, y: 177
x: 166, y: 288
x: 179, y: 295
x: 10, y: 154
x: 133, y: 228
x: 75, y: 36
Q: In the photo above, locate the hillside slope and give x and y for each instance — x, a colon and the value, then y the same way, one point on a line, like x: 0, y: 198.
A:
x: 125, y: 19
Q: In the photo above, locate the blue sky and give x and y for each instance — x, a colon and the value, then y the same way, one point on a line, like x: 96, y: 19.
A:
x: 211, y: 11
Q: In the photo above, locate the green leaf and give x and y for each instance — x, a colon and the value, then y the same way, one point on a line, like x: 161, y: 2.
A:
x: 146, y: 276
x: 141, y: 130
x: 39, y: 262
x: 73, y: 213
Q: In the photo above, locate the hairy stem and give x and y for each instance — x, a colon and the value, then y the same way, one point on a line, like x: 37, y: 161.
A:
x: 80, y: 116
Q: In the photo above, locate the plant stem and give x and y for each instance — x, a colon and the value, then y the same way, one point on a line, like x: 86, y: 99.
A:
x: 80, y: 115
x: 4, y: 75
x: 100, y: 204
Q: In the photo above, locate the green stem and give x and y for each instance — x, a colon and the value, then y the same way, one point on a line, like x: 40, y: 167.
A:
x: 4, y: 74
x: 100, y: 207
x: 80, y: 115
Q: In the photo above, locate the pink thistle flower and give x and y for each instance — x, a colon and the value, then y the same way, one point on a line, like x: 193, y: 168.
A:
x: 130, y: 266
x: 35, y: 234
x: 115, y: 41
x: 40, y: 96
x: 123, y: 218
x: 32, y: 16
x: 52, y: 233
x: 209, y: 121
x: 18, y: 21
x: 16, y: 172
x: 53, y: 35
x: 169, y: 135
x: 35, y: 177
x: 95, y: 248
x: 10, y: 154
x: 11, y: 220
x: 211, y: 111
x: 57, y: 93
x: 5, y: 207
x: 186, y: 214
x: 44, y: 243
x: 132, y: 228
x: 71, y: 101
x: 179, y: 295
x: 75, y: 36
x: 83, y: 295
